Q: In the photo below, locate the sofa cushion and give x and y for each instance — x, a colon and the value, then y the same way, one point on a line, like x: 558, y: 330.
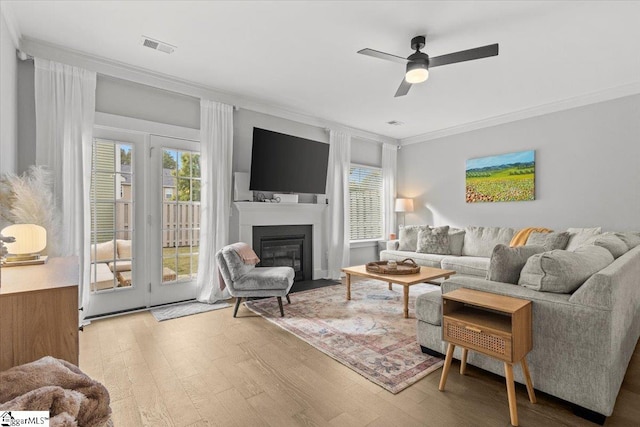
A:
x: 434, y: 240
x: 235, y: 266
x: 506, y: 263
x: 611, y: 242
x: 101, y: 277
x: 263, y: 278
x: 408, y: 236
x: 103, y: 251
x: 480, y: 241
x: 563, y: 271
x: 549, y: 241
x: 469, y: 265
x: 630, y: 239
x: 124, y: 248
x: 456, y: 241
x: 427, y: 260
x: 118, y: 266
x: 579, y: 236
x: 429, y: 307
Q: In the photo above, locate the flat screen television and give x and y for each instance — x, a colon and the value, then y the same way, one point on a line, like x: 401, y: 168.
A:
x: 287, y: 164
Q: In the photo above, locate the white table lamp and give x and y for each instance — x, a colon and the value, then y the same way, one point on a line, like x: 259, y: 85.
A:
x: 403, y: 206
x: 31, y: 239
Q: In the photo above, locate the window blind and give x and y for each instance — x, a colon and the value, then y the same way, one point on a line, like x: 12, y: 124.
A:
x: 365, y: 196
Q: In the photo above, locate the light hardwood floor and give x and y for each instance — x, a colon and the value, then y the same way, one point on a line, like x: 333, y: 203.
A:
x: 211, y: 369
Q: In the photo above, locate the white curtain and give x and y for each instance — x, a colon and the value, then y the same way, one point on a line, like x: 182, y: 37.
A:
x: 216, y: 147
x: 338, y: 195
x: 65, y: 110
x: 389, y: 170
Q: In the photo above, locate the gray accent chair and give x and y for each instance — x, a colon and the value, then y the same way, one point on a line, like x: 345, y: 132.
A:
x: 248, y: 281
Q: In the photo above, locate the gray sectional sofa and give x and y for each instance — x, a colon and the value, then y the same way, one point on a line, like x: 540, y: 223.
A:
x: 582, y: 339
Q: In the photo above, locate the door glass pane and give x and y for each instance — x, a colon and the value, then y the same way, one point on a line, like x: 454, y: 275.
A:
x: 112, y: 226
x: 180, y: 215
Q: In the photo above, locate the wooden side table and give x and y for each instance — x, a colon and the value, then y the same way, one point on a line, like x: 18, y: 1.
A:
x: 494, y: 325
x: 39, y: 312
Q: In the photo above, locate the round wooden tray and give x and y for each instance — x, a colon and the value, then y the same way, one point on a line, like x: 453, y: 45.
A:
x: 406, y: 266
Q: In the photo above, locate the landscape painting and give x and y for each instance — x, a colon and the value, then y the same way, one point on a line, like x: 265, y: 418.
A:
x: 503, y: 178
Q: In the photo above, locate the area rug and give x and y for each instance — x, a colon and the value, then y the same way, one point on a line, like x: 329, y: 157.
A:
x: 368, y: 333
x: 186, y: 309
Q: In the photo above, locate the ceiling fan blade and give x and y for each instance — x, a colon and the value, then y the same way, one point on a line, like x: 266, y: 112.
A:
x: 464, y: 55
x: 403, y: 89
x: 383, y: 55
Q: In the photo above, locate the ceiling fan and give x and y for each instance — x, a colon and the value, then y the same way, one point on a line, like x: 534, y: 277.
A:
x: 418, y: 63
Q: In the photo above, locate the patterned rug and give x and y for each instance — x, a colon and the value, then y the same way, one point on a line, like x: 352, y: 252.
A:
x: 186, y: 309
x: 368, y: 334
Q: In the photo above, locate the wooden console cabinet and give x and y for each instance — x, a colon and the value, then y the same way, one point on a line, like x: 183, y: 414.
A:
x: 495, y: 325
x: 39, y: 312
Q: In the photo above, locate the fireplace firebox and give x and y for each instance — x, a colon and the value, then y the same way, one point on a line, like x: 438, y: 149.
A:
x: 285, y: 245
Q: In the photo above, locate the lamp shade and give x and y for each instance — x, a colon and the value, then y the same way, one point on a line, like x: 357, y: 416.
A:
x: 404, y: 205
x: 30, y: 238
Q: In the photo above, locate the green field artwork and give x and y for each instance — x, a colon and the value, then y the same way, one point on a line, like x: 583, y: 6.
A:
x: 504, y: 178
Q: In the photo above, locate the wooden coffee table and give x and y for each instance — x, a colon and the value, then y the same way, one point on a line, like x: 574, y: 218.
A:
x: 426, y: 275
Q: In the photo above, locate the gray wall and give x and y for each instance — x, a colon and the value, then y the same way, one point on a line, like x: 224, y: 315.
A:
x: 587, y: 171
x: 124, y: 98
x: 8, y: 100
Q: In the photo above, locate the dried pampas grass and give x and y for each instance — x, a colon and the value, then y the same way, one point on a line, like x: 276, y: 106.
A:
x: 28, y: 199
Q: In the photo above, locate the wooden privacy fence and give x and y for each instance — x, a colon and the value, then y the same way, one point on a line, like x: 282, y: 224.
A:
x: 180, y: 223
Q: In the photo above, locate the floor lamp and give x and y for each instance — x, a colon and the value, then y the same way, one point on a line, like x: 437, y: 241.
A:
x: 403, y: 206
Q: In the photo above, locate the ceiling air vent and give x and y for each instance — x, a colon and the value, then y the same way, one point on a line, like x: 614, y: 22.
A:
x: 395, y: 123
x: 157, y: 45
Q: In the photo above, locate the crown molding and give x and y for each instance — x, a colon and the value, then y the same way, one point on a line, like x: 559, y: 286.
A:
x: 12, y: 24
x: 38, y: 48
x: 566, y: 104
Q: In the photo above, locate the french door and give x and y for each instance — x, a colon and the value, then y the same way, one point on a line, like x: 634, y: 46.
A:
x: 145, y: 219
x: 117, y: 281
x: 174, y: 204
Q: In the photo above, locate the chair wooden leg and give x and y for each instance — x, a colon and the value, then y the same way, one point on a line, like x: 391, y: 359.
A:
x: 288, y: 299
x: 280, y: 304
x: 235, y: 310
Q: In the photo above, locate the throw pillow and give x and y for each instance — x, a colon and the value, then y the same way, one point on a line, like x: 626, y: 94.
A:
x: 506, y: 263
x: 434, y: 240
x: 630, y: 239
x: 409, y: 237
x: 561, y: 271
x: 612, y: 243
x: 103, y: 251
x: 480, y: 241
x: 456, y: 241
x: 580, y: 236
x: 549, y: 241
x: 124, y: 248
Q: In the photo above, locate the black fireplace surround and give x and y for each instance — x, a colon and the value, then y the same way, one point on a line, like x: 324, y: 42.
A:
x: 285, y: 245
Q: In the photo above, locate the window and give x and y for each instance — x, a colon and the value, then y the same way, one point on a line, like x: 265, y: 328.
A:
x: 365, y: 195
x: 168, y: 193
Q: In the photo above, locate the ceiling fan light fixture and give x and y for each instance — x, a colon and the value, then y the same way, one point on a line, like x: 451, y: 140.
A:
x: 416, y: 73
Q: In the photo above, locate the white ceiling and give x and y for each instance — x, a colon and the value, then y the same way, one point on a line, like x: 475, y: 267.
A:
x: 302, y: 55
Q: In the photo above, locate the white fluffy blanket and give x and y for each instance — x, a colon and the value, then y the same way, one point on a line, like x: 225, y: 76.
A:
x: 54, y: 385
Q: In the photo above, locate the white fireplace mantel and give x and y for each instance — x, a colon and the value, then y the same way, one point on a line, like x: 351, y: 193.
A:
x: 252, y: 214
